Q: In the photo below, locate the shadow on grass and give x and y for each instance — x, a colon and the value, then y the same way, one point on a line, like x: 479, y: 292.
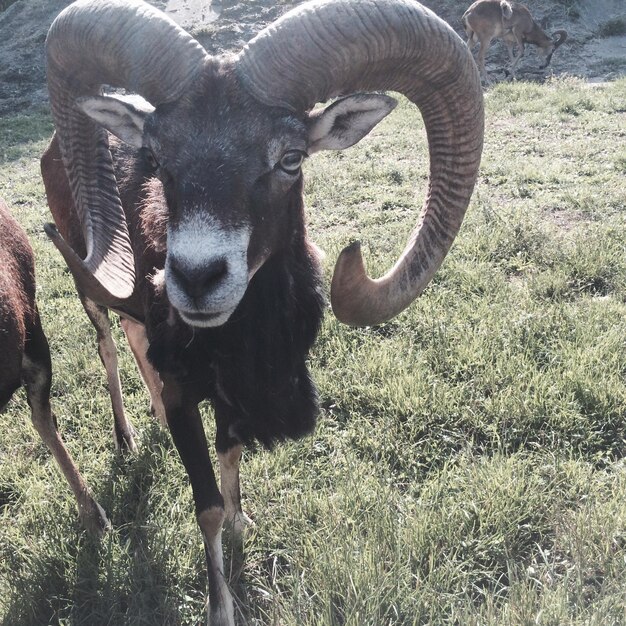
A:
x: 128, y: 577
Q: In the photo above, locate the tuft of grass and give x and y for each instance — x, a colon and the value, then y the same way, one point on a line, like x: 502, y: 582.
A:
x: 612, y: 28
x: 572, y: 7
x: 5, y: 4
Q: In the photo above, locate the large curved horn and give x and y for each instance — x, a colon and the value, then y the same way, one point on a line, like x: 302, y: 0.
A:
x: 331, y: 47
x: 119, y: 43
x: 559, y: 37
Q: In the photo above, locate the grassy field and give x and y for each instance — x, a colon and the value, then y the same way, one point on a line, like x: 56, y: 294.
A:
x: 468, y: 464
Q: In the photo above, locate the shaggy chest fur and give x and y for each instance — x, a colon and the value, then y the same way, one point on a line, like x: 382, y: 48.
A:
x: 252, y: 368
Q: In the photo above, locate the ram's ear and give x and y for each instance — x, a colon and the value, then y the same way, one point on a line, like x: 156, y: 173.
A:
x: 346, y: 121
x: 124, y: 117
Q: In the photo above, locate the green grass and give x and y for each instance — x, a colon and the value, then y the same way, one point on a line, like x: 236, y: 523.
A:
x: 5, y: 4
x: 468, y: 463
x: 613, y: 27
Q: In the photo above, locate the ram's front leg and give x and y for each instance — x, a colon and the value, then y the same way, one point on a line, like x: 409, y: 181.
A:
x: 185, y: 424
x: 229, y: 449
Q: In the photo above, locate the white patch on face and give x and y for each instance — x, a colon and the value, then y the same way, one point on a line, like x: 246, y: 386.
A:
x: 196, y: 243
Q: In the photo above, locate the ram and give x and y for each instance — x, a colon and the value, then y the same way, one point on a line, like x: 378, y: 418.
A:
x: 25, y: 358
x: 185, y: 215
x: 512, y: 22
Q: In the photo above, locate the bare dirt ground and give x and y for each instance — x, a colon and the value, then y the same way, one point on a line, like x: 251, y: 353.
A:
x: 226, y: 25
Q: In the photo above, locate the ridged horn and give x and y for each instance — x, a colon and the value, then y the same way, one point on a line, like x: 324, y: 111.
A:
x: 330, y: 47
x: 559, y: 36
x: 123, y: 44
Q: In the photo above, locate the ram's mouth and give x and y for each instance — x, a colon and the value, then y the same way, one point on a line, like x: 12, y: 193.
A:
x: 204, y: 320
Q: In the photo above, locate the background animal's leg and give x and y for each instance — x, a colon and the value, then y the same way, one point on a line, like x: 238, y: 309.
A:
x: 509, y: 48
x: 122, y: 430
x: 138, y: 342
x: 37, y: 378
x: 520, y: 52
x: 185, y: 424
x: 480, y: 59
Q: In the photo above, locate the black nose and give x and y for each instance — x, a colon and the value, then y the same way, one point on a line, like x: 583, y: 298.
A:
x: 198, y: 281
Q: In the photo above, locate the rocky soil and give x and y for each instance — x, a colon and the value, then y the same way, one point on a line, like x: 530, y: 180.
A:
x: 226, y: 25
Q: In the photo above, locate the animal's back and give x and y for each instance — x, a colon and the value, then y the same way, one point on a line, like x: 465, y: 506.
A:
x: 17, y: 297
x: 490, y: 9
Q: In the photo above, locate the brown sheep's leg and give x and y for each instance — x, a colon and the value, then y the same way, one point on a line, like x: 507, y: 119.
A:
x: 37, y: 377
x: 138, y: 342
x: 520, y: 53
x: 124, y: 435
x: 236, y: 519
x: 185, y: 424
x: 480, y: 59
x: 229, y: 450
x: 509, y: 48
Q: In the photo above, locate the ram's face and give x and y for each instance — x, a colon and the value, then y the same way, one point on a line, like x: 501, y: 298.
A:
x: 231, y: 179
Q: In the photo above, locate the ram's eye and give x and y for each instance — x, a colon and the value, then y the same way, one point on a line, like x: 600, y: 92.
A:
x: 291, y: 161
x: 151, y: 161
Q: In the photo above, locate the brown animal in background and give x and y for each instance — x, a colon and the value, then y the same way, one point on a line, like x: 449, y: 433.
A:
x: 511, y: 22
x: 25, y: 357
